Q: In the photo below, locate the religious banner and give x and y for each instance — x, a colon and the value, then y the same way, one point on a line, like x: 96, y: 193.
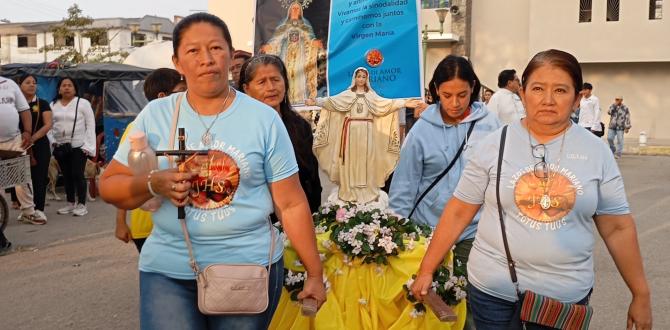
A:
x: 322, y: 42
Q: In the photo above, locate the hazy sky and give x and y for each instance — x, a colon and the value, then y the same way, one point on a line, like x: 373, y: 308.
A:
x: 53, y: 10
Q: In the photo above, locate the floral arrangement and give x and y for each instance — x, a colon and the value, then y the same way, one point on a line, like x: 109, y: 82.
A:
x: 450, y: 287
x: 295, y: 280
x: 367, y: 232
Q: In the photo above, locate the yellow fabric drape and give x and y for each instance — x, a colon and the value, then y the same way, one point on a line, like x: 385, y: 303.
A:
x: 362, y: 296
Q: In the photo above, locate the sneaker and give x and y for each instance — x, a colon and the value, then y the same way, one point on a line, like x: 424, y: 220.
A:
x: 80, y: 210
x: 67, y: 209
x: 35, y: 218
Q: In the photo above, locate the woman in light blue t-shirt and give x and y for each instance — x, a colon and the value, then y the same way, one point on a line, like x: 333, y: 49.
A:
x: 556, y: 181
x: 250, y: 171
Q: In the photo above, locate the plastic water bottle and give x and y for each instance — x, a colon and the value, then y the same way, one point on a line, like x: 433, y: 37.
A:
x: 141, y: 160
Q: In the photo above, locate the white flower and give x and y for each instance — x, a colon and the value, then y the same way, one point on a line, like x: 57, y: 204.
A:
x: 297, y: 263
x: 376, y: 216
x: 327, y: 244
x: 362, y: 301
x: 320, y: 229
x: 415, y: 313
x: 409, y: 285
x: 294, y: 278
x: 411, y: 244
x: 338, y: 271
x: 387, y: 244
x: 322, y: 256
x: 434, y: 285
x: 325, y: 210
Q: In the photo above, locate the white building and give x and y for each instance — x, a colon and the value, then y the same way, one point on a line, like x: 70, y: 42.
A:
x: 21, y: 42
x: 623, y: 45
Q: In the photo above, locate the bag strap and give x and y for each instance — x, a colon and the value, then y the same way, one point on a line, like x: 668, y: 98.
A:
x: 38, y: 115
x: 446, y: 170
x: 173, y: 126
x: 76, y: 112
x: 508, y: 254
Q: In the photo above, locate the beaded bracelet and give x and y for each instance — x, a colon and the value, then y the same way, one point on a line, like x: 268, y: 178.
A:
x: 153, y: 193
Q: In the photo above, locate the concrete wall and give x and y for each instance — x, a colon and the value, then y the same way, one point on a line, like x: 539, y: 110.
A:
x: 499, y: 38
x: 634, y: 38
x: 643, y: 87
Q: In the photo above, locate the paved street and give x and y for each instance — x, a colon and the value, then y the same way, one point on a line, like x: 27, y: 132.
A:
x: 73, y: 274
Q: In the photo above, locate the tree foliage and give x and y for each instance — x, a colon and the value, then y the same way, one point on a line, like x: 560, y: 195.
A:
x: 68, y: 40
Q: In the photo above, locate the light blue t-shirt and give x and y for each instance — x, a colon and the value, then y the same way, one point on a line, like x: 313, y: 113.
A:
x: 552, y: 248
x: 228, y: 217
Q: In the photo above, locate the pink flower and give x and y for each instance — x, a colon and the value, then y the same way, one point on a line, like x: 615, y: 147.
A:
x: 341, y: 215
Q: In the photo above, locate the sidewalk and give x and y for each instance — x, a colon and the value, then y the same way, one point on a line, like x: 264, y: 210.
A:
x: 654, y: 147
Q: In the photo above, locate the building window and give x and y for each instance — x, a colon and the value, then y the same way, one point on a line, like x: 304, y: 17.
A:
x: 100, y: 40
x: 138, y: 39
x: 585, y: 10
x: 66, y: 41
x: 430, y: 4
x: 612, y: 10
x: 27, y: 40
x: 655, y: 9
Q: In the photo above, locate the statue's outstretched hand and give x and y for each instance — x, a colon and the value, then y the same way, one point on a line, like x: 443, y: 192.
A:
x: 419, y: 109
x: 413, y: 103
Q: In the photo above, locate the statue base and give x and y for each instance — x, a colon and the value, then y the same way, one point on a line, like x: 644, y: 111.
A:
x: 381, y: 203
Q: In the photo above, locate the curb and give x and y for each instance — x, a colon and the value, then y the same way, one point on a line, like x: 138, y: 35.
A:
x: 648, y: 150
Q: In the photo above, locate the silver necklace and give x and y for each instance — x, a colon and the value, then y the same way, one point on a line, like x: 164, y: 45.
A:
x: 206, y: 138
x: 545, y: 200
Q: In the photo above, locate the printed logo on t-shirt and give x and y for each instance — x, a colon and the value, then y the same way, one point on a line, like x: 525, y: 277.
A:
x: 545, y: 203
x: 217, y: 180
x: 219, y: 175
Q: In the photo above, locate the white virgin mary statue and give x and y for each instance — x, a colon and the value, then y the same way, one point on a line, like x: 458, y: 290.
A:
x: 357, y: 140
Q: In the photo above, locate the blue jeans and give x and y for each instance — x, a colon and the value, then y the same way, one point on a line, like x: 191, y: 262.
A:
x: 168, y: 303
x: 492, y: 313
x: 611, y: 134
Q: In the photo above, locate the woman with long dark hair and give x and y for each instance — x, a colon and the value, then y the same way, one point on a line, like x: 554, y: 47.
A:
x: 74, y: 140
x: 264, y: 78
x: 41, y: 151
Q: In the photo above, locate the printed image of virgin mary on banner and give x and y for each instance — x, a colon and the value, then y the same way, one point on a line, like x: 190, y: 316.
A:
x: 284, y: 29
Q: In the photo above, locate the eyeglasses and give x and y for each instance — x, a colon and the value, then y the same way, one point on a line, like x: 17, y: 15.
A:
x: 541, y: 170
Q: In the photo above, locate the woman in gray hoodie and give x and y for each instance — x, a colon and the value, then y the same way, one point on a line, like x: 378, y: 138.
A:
x: 434, y: 143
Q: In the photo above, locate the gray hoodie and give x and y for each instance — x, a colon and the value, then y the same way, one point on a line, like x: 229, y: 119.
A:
x: 429, y: 148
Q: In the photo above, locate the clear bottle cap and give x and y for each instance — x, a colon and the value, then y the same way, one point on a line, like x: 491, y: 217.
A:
x: 138, y: 141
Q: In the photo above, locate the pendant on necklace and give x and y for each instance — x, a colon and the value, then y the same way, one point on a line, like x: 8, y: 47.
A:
x: 545, y: 202
x: 206, y: 139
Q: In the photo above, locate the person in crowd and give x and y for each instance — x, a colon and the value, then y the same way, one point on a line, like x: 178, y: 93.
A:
x: 424, y: 157
x: 264, y: 78
x: 239, y: 57
x: 505, y: 103
x: 619, y: 124
x: 41, y: 150
x: 159, y: 83
x: 16, y: 132
x: 251, y: 165
x: 486, y: 96
x: 358, y: 114
x: 549, y: 202
x: 73, y: 132
x: 14, y: 109
x: 589, y: 111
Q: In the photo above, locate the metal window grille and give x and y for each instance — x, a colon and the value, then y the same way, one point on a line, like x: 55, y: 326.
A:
x: 612, y: 10
x: 585, y: 10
